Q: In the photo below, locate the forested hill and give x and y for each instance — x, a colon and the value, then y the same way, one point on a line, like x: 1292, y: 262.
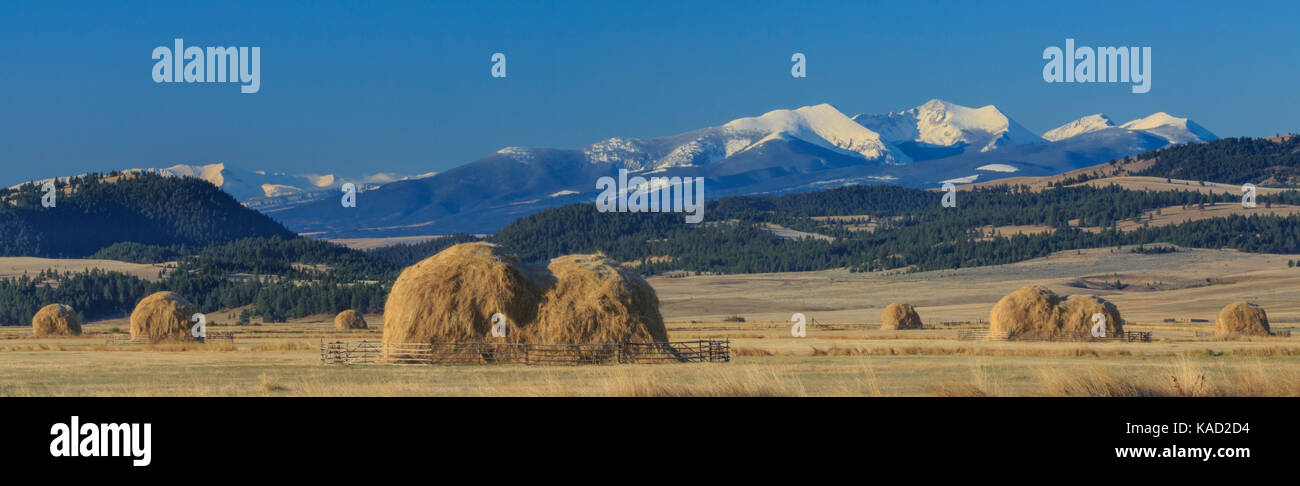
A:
x: 1273, y: 161
x: 95, y: 211
x: 883, y: 227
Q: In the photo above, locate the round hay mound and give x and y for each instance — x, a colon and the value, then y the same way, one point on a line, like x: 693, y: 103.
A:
x: 1242, y: 318
x: 56, y: 320
x: 898, y: 315
x: 1077, y: 311
x: 162, y: 316
x: 595, y: 301
x: 349, y: 319
x: 451, y: 296
x: 1030, y: 311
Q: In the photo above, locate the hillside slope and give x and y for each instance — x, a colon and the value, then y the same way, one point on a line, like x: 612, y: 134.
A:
x: 95, y: 211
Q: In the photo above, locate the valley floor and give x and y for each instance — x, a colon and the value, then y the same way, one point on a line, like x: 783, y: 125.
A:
x: 844, y: 354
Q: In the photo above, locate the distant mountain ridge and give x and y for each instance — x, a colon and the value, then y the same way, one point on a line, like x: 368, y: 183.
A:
x: 269, y: 190
x: 781, y: 151
x: 1172, y: 129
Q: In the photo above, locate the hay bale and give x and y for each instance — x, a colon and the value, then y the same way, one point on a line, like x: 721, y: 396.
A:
x: 1029, y: 312
x: 1077, y: 311
x: 594, y: 301
x: 349, y: 319
x: 451, y: 296
x: 56, y: 320
x: 898, y: 315
x: 1242, y: 318
x: 162, y: 316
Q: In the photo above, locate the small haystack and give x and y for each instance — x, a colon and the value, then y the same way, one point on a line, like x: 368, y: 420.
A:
x: 451, y: 297
x: 898, y: 315
x: 348, y: 320
x: 594, y: 301
x: 56, y: 320
x: 1029, y: 312
x: 1077, y: 311
x: 162, y: 316
x: 1242, y: 318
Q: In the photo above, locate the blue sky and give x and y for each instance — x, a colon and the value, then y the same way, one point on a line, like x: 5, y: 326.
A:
x: 404, y: 87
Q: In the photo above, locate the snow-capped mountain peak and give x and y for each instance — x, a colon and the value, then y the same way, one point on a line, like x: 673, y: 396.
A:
x: 938, y: 123
x: 1090, y: 123
x: 1175, y: 130
x: 821, y: 125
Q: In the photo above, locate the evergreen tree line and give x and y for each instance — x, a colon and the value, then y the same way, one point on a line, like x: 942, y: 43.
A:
x: 97, y: 294
x: 1230, y: 160
x: 913, y: 229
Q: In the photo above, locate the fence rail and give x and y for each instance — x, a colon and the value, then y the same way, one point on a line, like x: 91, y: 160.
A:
x: 126, y: 340
x: 987, y: 335
x: 375, y: 352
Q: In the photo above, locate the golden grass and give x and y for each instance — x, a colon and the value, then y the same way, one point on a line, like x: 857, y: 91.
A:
x: 1183, y: 379
x: 281, y: 360
x: 970, y: 350
x: 161, y: 347
x: 624, y: 381
x: 984, y: 383
x: 175, y: 347
x: 758, y: 352
x: 721, y: 381
x: 285, y: 345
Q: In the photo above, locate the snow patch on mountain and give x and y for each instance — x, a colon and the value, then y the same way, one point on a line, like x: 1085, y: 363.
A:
x: 962, y: 180
x: 997, y: 168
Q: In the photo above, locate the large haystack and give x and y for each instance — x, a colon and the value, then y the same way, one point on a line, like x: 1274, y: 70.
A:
x: 898, y: 315
x: 594, y: 301
x: 1037, y: 313
x: 1029, y: 312
x: 162, y: 316
x: 1242, y: 318
x: 348, y: 320
x: 451, y: 297
x: 1077, y: 311
x: 56, y: 320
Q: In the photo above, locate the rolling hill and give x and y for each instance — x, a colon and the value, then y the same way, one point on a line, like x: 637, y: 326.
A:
x: 95, y: 211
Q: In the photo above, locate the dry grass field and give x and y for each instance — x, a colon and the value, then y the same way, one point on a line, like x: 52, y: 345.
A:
x: 14, y: 267
x: 1171, y: 295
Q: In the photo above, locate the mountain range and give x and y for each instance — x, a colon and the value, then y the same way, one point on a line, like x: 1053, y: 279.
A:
x: 781, y: 151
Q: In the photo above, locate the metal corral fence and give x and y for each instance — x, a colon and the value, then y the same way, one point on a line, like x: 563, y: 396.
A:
x: 126, y: 340
x: 987, y: 335
x: 375, y: 352
x: 1275, y: 332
